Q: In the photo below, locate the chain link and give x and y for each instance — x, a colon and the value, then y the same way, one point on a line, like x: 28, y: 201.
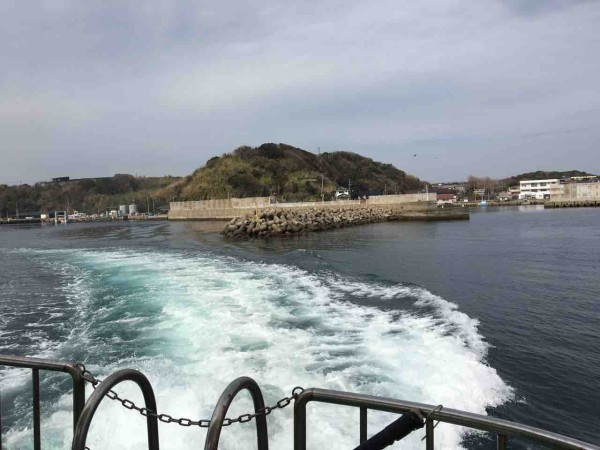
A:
x: 183, y: 421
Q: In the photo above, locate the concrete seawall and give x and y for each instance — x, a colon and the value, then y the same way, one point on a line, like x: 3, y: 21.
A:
x: 235, y: 207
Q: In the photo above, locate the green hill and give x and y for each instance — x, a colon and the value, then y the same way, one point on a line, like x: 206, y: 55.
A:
x: 293, y: 174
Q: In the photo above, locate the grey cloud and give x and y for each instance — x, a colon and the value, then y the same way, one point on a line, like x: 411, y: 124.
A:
x: 534, y: 7
x: 491, y: 88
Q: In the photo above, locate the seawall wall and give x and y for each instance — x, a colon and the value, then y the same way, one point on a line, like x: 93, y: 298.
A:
x: 235, y: 207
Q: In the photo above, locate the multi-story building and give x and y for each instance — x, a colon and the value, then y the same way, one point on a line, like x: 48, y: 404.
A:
x: 579, y: 191
x: 539, y: 189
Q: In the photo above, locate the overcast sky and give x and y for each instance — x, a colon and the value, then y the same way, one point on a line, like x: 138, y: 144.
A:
x: 489, y: 88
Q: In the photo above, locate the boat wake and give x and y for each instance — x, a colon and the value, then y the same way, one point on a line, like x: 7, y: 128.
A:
x: 192, y: 322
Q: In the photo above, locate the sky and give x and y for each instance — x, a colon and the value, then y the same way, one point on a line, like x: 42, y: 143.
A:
x: 487, y: 88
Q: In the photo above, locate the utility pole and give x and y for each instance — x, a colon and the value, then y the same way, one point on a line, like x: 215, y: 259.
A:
x: 322, y: 195
x: 321, y: 170
x: 147, y: 205
x: 349, y: 190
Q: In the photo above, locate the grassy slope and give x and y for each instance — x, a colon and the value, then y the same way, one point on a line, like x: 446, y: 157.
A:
x: 292, y: 173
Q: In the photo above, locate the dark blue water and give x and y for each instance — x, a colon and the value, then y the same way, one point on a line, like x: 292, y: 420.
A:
x: 497, y: 315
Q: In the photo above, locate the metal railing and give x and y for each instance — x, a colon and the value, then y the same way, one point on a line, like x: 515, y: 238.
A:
x: 83, y: 412
x: 36, y: 364
x: 502, y: 428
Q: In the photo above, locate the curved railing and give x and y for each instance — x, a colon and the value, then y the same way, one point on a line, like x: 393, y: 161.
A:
x: 83, y: 425
x: 220, y: 411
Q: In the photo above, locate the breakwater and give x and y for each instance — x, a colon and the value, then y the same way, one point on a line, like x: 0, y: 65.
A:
x: 288, y: 222
x: 581, y: 203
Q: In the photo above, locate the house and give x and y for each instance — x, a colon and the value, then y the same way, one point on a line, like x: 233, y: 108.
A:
x: 504, y: 196
x: 443, y: 199
x: 514, y: 192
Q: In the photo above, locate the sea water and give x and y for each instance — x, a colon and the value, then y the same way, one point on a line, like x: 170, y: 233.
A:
x: 357, y: 310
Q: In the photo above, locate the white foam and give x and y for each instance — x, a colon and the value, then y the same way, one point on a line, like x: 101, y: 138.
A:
x: 219, y: 318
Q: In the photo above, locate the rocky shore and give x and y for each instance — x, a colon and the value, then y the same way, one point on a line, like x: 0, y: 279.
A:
x: 287, y: 222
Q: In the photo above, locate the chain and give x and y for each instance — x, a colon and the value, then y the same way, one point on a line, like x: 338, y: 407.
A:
x: 185, y: 422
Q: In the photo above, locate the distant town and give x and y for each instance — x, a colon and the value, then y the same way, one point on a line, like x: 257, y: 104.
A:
x: 279, y: 174
x: 567, y: 189
x: 579, y: 190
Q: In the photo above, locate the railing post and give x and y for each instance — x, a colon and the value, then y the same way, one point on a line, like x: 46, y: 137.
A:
x: 300, y: 419
x: 363, y: 425
x: 35, y: 381
x: 429, y: 434
x: 501, y: 442
x: 78, y: 398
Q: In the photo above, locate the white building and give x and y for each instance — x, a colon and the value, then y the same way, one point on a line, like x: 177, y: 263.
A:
x: 342, y: 193
x: 539, y: 189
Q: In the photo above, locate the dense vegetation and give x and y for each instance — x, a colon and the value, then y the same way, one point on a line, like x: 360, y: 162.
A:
x: 88, y: 195
x: 291, y: 173
x: 542, y: 175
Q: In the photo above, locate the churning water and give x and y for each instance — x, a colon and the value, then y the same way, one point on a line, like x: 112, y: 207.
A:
x: 193, y: 313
